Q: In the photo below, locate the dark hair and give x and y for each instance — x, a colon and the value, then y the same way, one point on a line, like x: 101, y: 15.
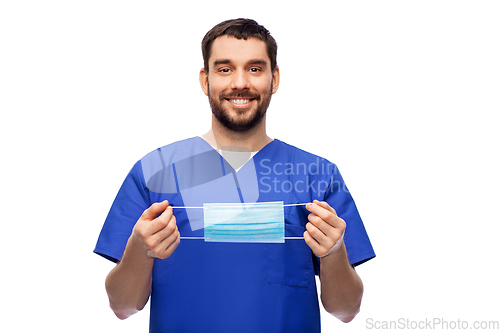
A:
x: 240, y: 29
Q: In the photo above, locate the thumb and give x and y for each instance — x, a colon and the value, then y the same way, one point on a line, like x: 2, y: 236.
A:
x: 154, y: 210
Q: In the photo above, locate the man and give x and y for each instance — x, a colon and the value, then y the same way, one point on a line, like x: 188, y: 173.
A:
x: 159, y: 238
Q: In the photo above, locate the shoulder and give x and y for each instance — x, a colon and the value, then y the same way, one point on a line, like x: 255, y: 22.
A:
x: 302, y: 156
x: 180, y: 146
x: 177, y: 150
x: 300, y: 153
x: 174, y: 152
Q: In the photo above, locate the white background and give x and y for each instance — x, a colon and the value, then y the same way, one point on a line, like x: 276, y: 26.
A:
x: 402, y: 95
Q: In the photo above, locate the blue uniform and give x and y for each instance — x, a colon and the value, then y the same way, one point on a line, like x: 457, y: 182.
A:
x: 233, y: 287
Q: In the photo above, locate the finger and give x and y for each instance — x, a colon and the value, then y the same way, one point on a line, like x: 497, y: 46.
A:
x: 319, y: 235
x: 325, y: 212
x: 164, y: 218
x: 325, y: 205
x: 316, y: 247
x: 151, y: 227
x: 322, y: 209
x: 155, y: 231
x: 319, y: 248
x: 325, y: 241
x: 166, y: 229
x: 326, y: 228
x: 154, y: 210
x: 170, y: 240
x: 310, y: 240
x: 167, y: 246
x: 160, y: 240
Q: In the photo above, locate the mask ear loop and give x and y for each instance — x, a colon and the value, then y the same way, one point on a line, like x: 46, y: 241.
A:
x: 299, y: 204
x: 191, y: 207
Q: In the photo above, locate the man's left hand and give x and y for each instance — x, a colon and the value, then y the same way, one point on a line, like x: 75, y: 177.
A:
x: 325, y: 230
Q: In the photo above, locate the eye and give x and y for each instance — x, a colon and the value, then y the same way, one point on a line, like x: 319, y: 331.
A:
x: 224, y: 70
x: 254, y: 70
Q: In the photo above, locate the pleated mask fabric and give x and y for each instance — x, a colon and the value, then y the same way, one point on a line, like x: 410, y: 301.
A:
x: 260, y: 222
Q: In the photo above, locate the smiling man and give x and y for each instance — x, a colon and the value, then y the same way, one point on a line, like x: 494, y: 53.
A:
x: 241, y: 83
x: 250, y: 268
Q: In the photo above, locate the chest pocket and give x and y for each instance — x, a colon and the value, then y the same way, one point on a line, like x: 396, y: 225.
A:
x: 290, y: 263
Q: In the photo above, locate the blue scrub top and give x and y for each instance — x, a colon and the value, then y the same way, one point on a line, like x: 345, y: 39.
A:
x: 233, y: 287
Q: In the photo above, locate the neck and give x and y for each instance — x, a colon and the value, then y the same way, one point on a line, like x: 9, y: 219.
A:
x: 252, y: 140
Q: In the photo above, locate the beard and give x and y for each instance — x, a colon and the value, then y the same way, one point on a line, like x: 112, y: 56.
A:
x: 244, y: 124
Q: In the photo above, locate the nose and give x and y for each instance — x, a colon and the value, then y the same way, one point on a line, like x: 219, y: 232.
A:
x: 240, y: 80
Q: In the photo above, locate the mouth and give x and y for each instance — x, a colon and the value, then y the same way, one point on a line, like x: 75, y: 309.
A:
x: 240, y: 102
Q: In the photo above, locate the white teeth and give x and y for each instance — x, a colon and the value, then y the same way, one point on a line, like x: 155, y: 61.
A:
x: 239, y: 101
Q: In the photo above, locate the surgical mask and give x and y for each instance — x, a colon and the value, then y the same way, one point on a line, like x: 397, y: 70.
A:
x: 259, y: 222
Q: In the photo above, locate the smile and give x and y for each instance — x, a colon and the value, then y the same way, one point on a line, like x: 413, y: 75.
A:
x: 239, y: 102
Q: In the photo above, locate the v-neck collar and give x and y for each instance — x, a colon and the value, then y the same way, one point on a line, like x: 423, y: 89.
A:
x: 226, y: 161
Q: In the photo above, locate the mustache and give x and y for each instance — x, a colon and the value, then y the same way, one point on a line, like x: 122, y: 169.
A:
x: 242, y: 94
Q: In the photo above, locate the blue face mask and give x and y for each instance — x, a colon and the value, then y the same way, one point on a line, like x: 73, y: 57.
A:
x: 261, y: 222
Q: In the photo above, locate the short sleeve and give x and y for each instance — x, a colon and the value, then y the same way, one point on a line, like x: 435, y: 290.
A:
x: 130, y: 202
x: 358, y: 245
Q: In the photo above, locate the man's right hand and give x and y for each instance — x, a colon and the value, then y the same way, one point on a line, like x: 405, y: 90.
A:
x: 157, y: 235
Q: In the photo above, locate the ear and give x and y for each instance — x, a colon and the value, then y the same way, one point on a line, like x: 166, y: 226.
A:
x: 276, y: 79
x: 204, y: 81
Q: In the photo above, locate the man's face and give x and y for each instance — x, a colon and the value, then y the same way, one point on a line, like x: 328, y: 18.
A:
x: 239, y: 83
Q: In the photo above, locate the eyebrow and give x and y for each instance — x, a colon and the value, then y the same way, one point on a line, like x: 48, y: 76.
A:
x: 222, y: 62
x: 251, y: 62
